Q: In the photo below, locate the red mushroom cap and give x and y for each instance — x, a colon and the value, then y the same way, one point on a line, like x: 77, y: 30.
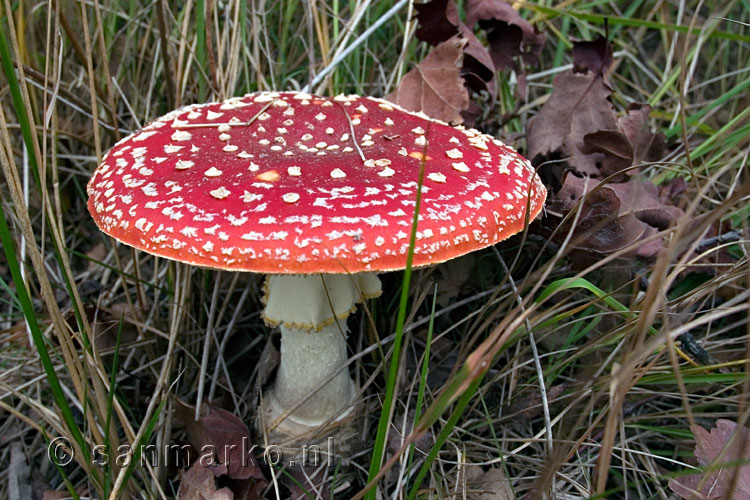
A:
x: 275, y: 183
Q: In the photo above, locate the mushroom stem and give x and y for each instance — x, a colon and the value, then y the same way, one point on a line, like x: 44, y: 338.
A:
x: 311, y: 311
x: 308, y: 359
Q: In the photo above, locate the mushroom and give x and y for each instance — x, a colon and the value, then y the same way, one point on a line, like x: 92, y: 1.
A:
x: 319, y: 194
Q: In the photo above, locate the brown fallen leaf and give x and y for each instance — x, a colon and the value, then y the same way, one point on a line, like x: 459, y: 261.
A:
x: 478, y: 70
x: 509, y: 35
x: 491, y: 484
x: 453, y: 276
x: 629, y: 145
x: 614, y: 216
x: 435, y: 86
x: 225, y: 435
x: 579, y: 124
x: 199, y: 483
x: 718, y: 483
x: 438, y: 22
x: 579, y: 105
x: 55, y: 495
x: 405, y: 422
x: 593, y: 56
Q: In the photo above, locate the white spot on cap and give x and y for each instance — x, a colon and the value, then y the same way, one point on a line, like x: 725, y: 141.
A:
x: 224, y: 127
x: 329, y: 131
x: 386, y: 172
x: 403, y: 152
x: 143, y: 136
x: 385, y: 106
x: 320, y: 117
x: 460, y: 166
x: 213, y: 172
x: 418, y: 130
x: 362, y: 109
x: 150, y: 189
x: 212, y: 115
x: 290, y: 197
x: 420, y: 141
x: 264, y: 116
x: 220, y: 193
x: 294, y: 171
x: 181, y: 135
x: 254, y: 167
x: 478, y: 143
x: 337, y: 173
x: 229, y: 148
x: 244, y: 155
x: 224, y: 137
x: 436, y: 176
x: 189, y: 232
x: 388, y: 121
x: 250, y: 197
x: 306, y: 137
x: 264, y: 97
x: 454, y: 154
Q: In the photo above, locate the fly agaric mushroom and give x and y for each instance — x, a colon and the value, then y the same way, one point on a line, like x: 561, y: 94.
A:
x: 319, y: 194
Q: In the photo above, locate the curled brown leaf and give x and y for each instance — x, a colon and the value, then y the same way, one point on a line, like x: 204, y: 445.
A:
x: 222, y: 433
x: 509, y: 35
x: 613, y: 217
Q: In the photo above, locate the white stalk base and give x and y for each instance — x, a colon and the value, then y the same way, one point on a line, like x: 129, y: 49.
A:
x: 308, y: 360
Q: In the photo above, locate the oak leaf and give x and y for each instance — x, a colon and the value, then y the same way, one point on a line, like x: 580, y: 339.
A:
x: 578, y: 106
x: 435, y: 86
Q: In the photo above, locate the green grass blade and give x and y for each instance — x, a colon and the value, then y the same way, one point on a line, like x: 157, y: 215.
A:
x: 445, y: 433
x: 379, y: 446
x: 591, y: 17
x: 423, y: 374
x: 24, y: 299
